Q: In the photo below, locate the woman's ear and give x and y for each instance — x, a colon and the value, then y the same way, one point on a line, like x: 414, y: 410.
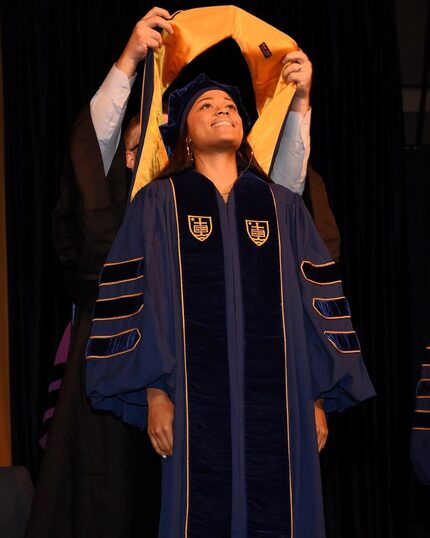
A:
x: 129, y: 159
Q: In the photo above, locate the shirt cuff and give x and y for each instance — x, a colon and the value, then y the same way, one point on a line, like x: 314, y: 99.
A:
x: 117, y: 83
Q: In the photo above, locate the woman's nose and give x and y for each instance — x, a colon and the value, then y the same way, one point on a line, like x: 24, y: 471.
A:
x: 223, y: 111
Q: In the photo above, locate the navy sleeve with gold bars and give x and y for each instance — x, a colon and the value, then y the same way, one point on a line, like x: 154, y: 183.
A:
x: 131, y: 343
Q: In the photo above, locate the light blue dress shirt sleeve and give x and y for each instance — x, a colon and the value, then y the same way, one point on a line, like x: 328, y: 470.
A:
x: 291, y: 161
x: 107, y: 109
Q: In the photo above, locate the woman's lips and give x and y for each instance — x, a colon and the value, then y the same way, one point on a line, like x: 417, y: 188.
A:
x: 222, y: 122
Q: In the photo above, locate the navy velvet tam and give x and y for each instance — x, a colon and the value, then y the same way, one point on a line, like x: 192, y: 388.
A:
x: 181, y: 101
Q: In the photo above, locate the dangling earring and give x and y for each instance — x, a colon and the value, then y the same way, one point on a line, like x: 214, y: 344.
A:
x: 189, y: 152
x: 249, y: 162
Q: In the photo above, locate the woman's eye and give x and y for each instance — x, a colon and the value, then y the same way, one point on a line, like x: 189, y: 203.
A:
x: 205, y: 105
x: 231, y: 107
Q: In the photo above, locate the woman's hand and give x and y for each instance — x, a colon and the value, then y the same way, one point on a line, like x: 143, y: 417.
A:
x: 321, y: 424
x: 298, y: 70
x: 160, y: 421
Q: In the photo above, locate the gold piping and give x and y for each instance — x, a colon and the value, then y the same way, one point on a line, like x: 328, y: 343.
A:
x: 112, y: 336
x: 187, y: 507
x: 327, y: 299
x: 119, y: 263
x: 120, y: 297
x: 318, y: 265
x: 335, y: 346
x: 124, y: 261
x: 286, y: 364
x: 114, y: 282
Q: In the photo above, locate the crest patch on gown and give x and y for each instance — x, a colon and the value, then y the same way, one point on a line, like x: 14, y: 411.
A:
x: 258, y: 231
x: 200, y: 227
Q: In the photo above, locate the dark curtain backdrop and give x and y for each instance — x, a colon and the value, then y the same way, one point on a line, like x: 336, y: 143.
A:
x: 55, y: 56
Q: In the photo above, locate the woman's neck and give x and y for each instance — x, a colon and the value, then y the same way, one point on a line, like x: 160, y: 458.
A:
x: 221, y: 169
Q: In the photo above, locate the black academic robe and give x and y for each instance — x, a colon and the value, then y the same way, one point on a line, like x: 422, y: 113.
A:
x: 316, y: 200
x: 93, y: 461
x: 236, y: 311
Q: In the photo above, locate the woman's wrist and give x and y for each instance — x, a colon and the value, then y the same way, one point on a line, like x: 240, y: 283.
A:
x: 319, y: 403
x: 153, y: 393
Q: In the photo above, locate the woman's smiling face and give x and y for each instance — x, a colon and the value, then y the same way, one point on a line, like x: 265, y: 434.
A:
x: 214, y: 123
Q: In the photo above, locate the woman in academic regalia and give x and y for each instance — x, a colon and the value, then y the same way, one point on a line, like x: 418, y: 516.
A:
x: 221, y: 326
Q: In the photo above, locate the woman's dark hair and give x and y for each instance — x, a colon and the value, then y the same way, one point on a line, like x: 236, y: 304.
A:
x: 178, y: 162
x: 247, y: 161
x: 181, y: 161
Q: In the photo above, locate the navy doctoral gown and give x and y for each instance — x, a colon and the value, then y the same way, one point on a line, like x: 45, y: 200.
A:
x: 236, y: 310
x: 420, y: 436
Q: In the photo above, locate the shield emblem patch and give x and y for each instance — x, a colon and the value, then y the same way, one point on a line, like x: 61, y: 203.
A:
x: 258, y: 231
x: 200, y: 227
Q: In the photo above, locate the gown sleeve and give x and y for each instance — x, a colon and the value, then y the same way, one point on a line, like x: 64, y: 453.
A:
x: 420, y: 436
x: 131, y: 344
x: 339, y: 375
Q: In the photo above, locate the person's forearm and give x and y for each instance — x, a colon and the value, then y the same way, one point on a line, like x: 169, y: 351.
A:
x: 127, y: 65
x: 291, y: 161
x: 107, y: 109
x: 300, y: 104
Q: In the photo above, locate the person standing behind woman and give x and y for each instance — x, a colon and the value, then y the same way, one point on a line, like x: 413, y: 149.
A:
x: 93, y: 463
